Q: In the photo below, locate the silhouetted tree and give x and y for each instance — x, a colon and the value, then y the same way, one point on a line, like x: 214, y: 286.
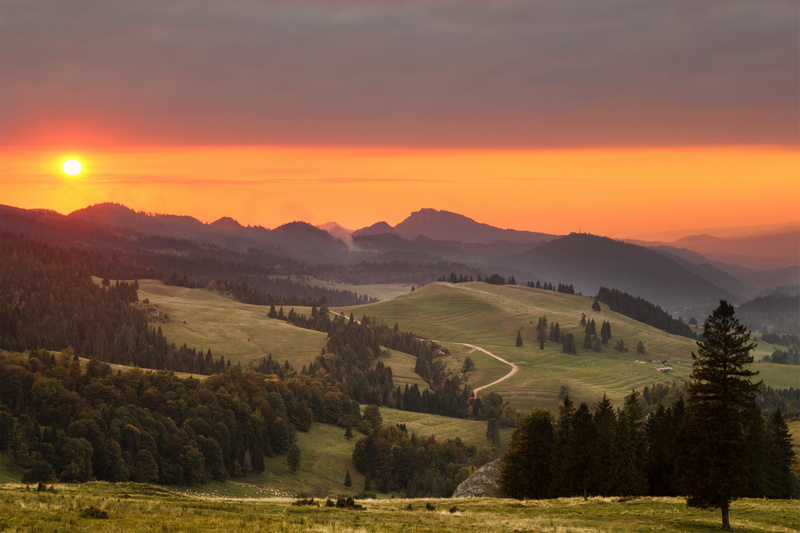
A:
x: 713, y: 466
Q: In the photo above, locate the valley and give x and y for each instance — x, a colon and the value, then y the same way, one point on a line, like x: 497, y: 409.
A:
x: 485, y: 315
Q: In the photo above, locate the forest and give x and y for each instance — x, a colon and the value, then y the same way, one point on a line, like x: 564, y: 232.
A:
x: 622, y: 452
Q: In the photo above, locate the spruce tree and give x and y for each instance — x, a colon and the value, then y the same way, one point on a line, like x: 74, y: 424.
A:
x: 526, y: 466
x: 713, y: 466
x: 493, y: 432
x: 780, y: 456
x: 563, y: 470
x: 293, y: 458
x: 542, y: 337
x: 348, y: 481
x: 519, y: 338
x: 629, y: 450
x: 605, y: 421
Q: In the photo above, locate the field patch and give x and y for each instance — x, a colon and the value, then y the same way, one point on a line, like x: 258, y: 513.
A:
x: 240, y: 332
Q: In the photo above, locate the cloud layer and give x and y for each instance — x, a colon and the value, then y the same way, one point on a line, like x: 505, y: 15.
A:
x: 413, y: 73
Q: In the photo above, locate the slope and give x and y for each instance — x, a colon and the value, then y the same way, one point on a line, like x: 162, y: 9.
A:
x: 240, y: 332
x: 490, y: 316
x: 589, y: 261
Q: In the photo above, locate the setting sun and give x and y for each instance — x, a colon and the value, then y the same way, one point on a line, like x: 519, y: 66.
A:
x: 72, y: 167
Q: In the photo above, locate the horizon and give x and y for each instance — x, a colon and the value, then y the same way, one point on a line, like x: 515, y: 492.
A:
x: 623, y: 120
x: 665, y: 236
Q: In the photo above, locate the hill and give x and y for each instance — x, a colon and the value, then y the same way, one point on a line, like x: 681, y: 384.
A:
x: 589, y: 261
x: 240, y: 332
x: 447, y: 226
x: 478, y: 314
x: 489, y: 316
x: 768, y: 248
x: 297, y: 240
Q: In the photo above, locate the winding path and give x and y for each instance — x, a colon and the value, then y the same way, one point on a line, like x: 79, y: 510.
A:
x: 514, y: 368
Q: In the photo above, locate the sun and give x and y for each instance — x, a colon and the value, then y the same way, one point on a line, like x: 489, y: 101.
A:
x: 72, y: 167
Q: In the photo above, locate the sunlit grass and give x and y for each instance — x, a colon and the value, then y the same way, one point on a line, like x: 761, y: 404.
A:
x: 132, y: 507
x: 490, y: 316
x: 240, y: 332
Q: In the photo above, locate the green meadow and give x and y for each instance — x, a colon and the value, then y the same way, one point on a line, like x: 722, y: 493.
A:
x: 131, y: 507
x: 483, y: 315
x: 242, y: 333
x: 489, y: 316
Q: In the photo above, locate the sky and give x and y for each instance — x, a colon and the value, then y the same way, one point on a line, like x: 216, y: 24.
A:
x: 621, y: 118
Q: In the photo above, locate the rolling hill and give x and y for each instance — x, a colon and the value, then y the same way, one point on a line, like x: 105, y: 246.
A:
x: 296, y: 240
x: 589, y: 261
x: 489, y: 316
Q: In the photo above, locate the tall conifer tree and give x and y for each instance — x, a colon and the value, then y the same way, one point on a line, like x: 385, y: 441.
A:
x: 713, y: 464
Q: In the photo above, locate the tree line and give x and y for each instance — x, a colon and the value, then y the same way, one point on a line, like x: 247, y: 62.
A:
x: 622, y: 452
x: 48, y: 300
x: 641, y: 310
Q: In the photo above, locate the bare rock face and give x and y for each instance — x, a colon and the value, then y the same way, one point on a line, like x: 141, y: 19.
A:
x: 484, y: 482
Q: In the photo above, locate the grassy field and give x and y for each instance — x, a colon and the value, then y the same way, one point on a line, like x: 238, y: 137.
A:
x: 242, y: 333
x: 403, y: 369
x: 385, y: 291
x: 484, y: 315
x: 490, y: 316
x: 131, y: 507
x: 326, y: 455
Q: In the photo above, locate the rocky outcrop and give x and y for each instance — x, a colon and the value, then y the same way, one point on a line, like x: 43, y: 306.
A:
x: 484, y: 482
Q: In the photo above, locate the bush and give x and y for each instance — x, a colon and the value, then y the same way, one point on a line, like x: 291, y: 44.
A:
x: 306, y: 501
x: 94, y: 512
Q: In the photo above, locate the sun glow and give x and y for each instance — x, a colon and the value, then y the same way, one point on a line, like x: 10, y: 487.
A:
x: 72, y: 167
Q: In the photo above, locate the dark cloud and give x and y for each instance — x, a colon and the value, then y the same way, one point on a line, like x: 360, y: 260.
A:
x: 412, y: 73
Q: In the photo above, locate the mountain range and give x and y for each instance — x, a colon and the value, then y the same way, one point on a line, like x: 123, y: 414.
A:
x: 687, y: 274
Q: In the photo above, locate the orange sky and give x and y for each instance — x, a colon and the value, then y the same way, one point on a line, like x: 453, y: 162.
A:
x: 613, y: 192
x: 620, y: 119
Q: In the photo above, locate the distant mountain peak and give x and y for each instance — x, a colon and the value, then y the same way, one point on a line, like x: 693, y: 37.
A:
x: 103, y: 208
x: 442, y: 225
x: 226, y: 223
x: 378, y: 228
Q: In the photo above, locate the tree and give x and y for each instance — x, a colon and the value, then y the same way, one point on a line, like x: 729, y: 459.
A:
x: 542, y: 337
x: 493, y: 432
x: 713, y: 467
x: 526, y: 466
x: 629, y: 450
x: 519, y: 337
x: 468, y: 366
x: 605, y: 421
x: 779, y: 457
x: 587, y: 341
x: 145, y: 468
x: 640, y: 348
x: 293, y: 457
x: 568, y: 344
x: 372, y: 413
x: 596, y: 305
x: 348, y: 481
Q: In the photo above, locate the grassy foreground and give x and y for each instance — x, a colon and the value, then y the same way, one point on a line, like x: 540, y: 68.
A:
x: 133, y: 507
